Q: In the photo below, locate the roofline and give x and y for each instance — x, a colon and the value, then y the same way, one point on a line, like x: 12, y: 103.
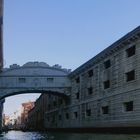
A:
x: 35, y: 67
x: 107, y: 50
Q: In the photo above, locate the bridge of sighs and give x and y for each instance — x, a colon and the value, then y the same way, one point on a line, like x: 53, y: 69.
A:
x: 34, y: 77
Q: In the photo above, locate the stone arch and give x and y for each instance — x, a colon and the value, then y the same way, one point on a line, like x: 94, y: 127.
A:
x: 55, y: 93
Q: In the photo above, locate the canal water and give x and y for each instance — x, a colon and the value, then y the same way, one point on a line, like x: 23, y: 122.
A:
x: 19, y: 135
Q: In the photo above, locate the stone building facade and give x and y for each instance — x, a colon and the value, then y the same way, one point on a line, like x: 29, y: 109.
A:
x: 36, y: 114
x: 105, y: 91
x: 36, y: 117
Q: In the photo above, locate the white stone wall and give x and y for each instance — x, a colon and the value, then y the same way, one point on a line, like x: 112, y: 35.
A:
x: 89, y: 107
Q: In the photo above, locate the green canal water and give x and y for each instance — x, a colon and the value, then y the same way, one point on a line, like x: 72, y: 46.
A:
x: 19, y: 135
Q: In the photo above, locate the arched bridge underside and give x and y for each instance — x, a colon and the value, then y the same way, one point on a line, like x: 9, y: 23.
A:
x: 34, y: 77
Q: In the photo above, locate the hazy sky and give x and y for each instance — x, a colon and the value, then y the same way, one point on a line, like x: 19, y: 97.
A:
x: 13, y: 103
x: 65, y: 32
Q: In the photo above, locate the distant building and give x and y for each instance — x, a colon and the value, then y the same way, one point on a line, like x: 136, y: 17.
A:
x: 37, y: 114
x: 9, y: 121
x: 45, y: 103
x: 18, y: 117
x: 6, y: 119
x: 26, y: 107
x: 13, y: 121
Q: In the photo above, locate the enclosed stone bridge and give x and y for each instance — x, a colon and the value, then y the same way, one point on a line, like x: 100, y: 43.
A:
x: 34, y: 77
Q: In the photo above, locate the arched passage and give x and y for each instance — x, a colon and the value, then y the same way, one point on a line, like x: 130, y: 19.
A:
x: 43, y: 104
x: 55, y: 93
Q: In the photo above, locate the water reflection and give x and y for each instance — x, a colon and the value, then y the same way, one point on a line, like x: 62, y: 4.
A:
x: 19, y: 135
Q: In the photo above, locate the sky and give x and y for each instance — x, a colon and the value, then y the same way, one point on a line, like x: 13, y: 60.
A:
x: 65, y: 32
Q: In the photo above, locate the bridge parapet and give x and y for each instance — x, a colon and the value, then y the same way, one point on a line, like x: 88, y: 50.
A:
x: 36, y: 64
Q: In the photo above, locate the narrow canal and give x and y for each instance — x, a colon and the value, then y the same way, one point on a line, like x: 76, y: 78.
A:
x: 19, y: 135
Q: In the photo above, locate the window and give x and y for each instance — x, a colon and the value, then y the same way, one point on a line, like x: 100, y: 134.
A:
x: 90, y: 73
x: 60, y: 117
x: 67, y: 116
x: 60, y: 101
x: 107, y: 64
x: 49, y: 95
x: 105, y: 110
x: 106, y: 84
x: 48, y: 118
x: 90, y: 90
x: 50, y: 80
x: 77, y: 95
x: 22, y: 80
x: 128, y: 106
x: 77, y: 80
x: 75, y: 115
x: 131, y: 51
x: 54, y: 103
x: 53, y: 119
x: 130, y: 75
x: 88, y: 112
x: 49, y: 106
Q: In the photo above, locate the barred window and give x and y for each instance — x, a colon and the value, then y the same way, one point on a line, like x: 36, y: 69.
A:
x: 67, y: 116
x: 90, y: 90
x: 50, y: 80
x: 107, y: 64
x: 130, y: 75
x: 90, y: 73
x: 131, y: 51
x: 75, y: 115
x: 105, y: 110
x: 77, y: 80
x: 60, y: 117
x: 77, y: 95
x: 88, y: 112
x: 22, y: 80
x: 128, y: 106
x: 106, y: 84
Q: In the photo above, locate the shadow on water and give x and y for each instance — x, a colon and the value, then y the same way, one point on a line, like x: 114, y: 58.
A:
x: 91, y: 136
